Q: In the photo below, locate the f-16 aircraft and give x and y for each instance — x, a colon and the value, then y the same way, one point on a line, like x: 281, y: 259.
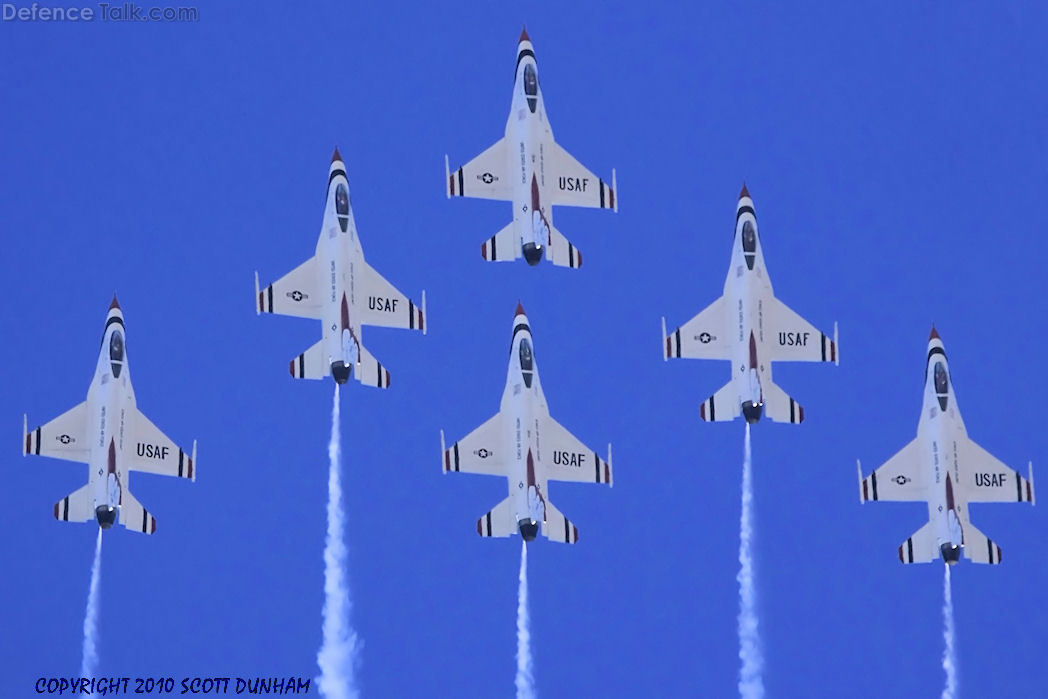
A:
x: 946, y: 469
x: 522, y: 443
x: 750, y: 327
x: 110, y: 434
x: 338, y: 288
x: 528, y: 168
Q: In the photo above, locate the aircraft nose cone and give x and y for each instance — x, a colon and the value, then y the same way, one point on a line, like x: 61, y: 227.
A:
x: 524, y: 35
x: 115, y: 304
x: 520, y: 309
x: 934, y: 335
x: 336, y: 157
x: 744, y: 192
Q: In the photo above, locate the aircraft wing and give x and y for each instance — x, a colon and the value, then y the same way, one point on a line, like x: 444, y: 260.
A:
x: 382, y: 304
x: 294, y: 294
x: 65, y: 437
x: 568, y: 459
x: 984, y: 478
x: 484, y: 177
x: 702, y: 337
x: 899, y: 479
x: 479, y: 451
x: 152, y: 451
x: 793, y: 339
x: 574, y: 185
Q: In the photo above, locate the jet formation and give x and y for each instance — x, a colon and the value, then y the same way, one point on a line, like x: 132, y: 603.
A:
x: 523, y: 444
x: 529, y: 168
x: 112, y: 436
x: 945, y: 468
x: 751, y: 328
x: 338, y: 288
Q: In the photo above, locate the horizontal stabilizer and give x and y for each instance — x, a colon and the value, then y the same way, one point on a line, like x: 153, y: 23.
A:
x: 978, y: 548
x: 311, y: 364
x: 561, y: 252
x: 370, y: 371
x: 922, y: 547
x: 504, y: 246
x: 779, y: 407
x: 722, y: 406
x: 500, y: 522
x: 134, y: 516
x: 78, y: 506
x: 557, y: 527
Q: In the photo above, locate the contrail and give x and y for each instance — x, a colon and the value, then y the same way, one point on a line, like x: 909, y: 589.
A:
x: 89, y: 664
x: 949, y: 654
x: 525, y: 679
x: 337, y: 657
x: 751, y: 681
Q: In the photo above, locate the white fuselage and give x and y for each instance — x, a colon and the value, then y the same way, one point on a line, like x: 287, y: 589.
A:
x: 523, y: 408
x: 746, y: 289
x: 110, y: 408
x: 528, y: 135
x: 338, y: 252
x: 942, y: 435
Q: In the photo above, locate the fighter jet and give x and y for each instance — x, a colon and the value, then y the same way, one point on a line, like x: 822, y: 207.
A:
x: 750, y: 327
x: 528, y: 447
x: 527, y: 167
x: 338, y: 288
x: 945, y: 468
x: 110, y: 434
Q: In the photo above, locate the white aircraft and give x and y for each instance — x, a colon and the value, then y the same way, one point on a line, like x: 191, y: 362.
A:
x: 527, y: 167
x: 338, y: 288
x: 752, y: 328
x: 945, y: 468
x: 528, y: 447
x: 110, y: 434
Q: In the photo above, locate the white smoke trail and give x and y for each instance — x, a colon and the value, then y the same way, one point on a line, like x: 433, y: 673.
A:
x: 89, y: 664
x: 525, y: 679
x: 337, y: 657
x: 751, y: 681
x: 949, y: 654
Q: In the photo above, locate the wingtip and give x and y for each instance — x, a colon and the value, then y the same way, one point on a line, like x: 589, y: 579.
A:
x: 1033, y: 491
x: 25, y: 433
x: 424, y: 320
x: 858, y: 469
x: 664, y: 341
x: 836, y: 346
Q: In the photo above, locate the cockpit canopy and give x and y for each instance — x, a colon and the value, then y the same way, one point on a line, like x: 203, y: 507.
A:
x: 116, y: 353
x: 749, y: 237
x: 531, y: 86
x: 527, y: 366
x: 342, y: 205
x: 749, y: 243
x: 942, y: 383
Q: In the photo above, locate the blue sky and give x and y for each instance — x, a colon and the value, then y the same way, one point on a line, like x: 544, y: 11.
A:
x: 896, y: 158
